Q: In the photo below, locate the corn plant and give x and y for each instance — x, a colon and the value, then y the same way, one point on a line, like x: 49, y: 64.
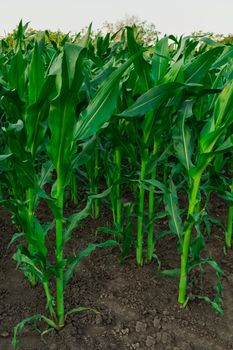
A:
x: 64, y: 131
x: 211, y: 133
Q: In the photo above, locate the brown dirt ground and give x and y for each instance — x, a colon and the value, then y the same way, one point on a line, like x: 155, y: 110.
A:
x: 138, y: 308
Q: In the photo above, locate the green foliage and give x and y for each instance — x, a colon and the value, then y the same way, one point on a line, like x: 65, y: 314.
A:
x: 129, y: 126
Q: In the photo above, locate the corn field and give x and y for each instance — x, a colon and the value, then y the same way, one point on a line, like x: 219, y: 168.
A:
x: 134, y: 128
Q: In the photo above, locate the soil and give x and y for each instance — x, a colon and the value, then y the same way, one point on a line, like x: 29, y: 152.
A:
x: 137, y: 306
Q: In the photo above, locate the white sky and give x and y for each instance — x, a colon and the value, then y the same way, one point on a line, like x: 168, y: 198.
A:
x: 169, y: 16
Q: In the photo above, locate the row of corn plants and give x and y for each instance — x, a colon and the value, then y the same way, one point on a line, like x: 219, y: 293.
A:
x: 132, y: 127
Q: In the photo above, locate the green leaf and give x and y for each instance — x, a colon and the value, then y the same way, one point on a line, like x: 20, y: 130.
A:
x: 80, y: 309
x: 215, y: 305
x: 37, y: 114
x: 226, y: 145
x: 25, y: 172
x: 57, y: 212
x: 160, y: 59
x: 196, y: 246
x: 107, y: 230
x: 182, y: 136
x: 196, y: 71
x: 101, y: 194
x: 74, y: 262
x: 222, y: 118
x: 85, y: 153
x: 46, y: 173
x: 72, y: 53
x: 142, y: 67
x: 215, y: 266
x: 172, y: 208
x: 5, y: 156
x: 24, y: 260
x: 157, y: 184
x: 62, y: 120
x: 36, y: 75
x: 175, y: 73
x: 102, y: 106
x: 203, y: 161
x: 209, y: 139
x: 17, y: 79
x: 152, y: 99
x: 224, y: 58
x: 75, y: 219
x: 14, y: 238
x: 171, y: 273
x: 19, y: 327
x: 223, y: 111
x: 62, y: 115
